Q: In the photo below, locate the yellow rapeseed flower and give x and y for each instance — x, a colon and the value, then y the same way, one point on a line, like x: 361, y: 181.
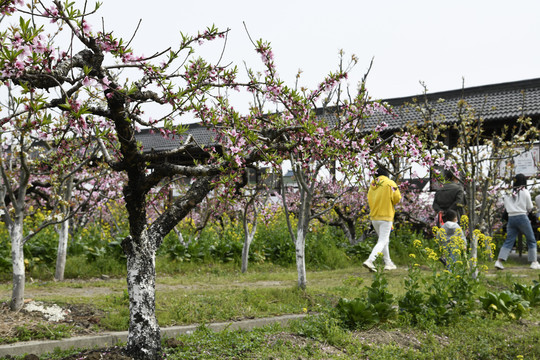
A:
x: 412, y: 256
x: 464, y: 221
x: 432, y: 254
x: 417, y: 243
x: 484, y: 268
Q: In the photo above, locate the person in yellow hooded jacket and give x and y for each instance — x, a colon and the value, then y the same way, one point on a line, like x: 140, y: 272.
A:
x: 383, y: 195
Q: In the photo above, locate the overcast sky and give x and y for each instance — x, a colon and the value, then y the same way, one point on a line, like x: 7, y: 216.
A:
x: 434, y: 41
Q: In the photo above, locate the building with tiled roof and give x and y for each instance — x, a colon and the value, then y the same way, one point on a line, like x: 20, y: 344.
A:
x: 152, y: 140
x: 498, y: 104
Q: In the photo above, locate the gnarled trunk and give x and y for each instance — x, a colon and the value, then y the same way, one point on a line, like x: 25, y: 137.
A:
x: 144, y: 338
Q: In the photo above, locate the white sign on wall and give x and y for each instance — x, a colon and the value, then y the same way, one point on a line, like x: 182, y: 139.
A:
x: 525, y: 163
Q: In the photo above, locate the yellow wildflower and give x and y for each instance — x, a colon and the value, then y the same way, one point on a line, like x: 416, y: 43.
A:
x: 484, y: 268
x: 464, y: 221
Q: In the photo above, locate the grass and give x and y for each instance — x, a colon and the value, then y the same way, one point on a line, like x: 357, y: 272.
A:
x: 318, y: 338
x: 203, y: 293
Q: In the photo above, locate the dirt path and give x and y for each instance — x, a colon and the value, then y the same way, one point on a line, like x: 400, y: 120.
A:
x: 85, y: 288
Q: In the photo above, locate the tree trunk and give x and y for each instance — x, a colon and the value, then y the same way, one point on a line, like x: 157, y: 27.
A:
x: 300, y: 245
x: 347, y: 225
x: 248, y: 239
x: 63, y: 233
x: 17, y: 257
x: 304, y: 216
x: 181, y: 238
x: 61, y: 254
x: 349, y: 230
x: 144, y: 338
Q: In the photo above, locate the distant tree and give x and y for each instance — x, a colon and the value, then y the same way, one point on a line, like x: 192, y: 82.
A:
x: 41, y: 171
x: 349, y: 213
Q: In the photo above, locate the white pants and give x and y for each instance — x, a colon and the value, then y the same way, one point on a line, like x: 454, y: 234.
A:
x: 383, y: 229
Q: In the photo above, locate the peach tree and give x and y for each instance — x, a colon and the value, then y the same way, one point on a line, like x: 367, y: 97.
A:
x: 54, y: 66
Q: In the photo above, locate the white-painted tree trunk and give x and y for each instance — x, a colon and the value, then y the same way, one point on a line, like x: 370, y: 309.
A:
x: 144, y: 338
x: 17, y: 257
x: 181, y: 239
x: 300, y: 246
x: 474, y: 255
x: 304, y: 216
x: 61, y: 254
x: 248, y: 239
x: 63, y: 234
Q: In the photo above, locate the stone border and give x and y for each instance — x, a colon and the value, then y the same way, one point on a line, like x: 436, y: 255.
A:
x: 40, y: 347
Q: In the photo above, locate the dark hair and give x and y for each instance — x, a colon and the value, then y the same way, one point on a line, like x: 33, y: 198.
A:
x: 382, y: 172
x: 450, y: 215
x: 519, y: 180
x: 448, y: 175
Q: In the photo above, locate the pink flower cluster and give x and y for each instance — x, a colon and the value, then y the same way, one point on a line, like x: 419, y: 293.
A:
x: 9, y: 7
x: 32, y: 54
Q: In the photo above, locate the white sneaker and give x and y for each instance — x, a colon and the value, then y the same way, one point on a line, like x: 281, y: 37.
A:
x: 369, y: 264
x: 390, y: 266
x: 499, y: 265
x: 535, y: 265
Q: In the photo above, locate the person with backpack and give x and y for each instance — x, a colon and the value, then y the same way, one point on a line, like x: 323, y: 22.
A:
x: 449, y: 197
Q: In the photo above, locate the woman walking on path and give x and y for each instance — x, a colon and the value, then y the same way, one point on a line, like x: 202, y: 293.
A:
x: 383, y: 195
x: 518, y: 204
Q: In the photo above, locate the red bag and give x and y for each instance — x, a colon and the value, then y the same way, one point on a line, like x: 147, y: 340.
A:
x: 441, y: 222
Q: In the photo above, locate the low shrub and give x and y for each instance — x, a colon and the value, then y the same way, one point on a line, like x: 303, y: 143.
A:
x: 376, y: 307
x: 506, y: 303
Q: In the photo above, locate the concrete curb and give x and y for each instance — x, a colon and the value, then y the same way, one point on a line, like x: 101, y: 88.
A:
x: 113, y: 338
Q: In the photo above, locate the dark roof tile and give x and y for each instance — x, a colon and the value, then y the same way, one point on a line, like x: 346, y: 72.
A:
x: 505, y: 101
x: 491, y: 102
x: 154, y: 140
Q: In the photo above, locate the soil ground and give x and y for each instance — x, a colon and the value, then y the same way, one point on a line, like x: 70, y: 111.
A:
x: 79, y: 317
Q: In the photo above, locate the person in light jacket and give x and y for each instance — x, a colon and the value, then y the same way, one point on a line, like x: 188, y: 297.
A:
x: 518, y: 204
x: 451, y: 237
x: 383, y: 195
